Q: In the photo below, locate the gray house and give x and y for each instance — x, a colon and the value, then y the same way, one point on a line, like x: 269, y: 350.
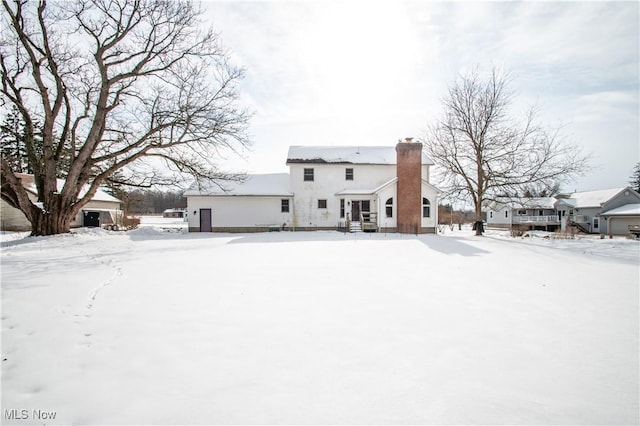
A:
x: 607, y: 211
x: 589, y: 210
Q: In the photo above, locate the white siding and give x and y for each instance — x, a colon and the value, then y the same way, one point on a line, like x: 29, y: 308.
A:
x: 499, y: 217
x: 386, y: 193
x: 239, y: 211
x: 14, y: 219
x: 328, y: 180
x: 430, y: 194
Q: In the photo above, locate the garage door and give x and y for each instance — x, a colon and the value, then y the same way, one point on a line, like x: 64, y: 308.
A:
x: 620, y: 225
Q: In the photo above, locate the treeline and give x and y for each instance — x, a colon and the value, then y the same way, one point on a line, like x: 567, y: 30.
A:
x: 140, y: 201
x: 448, y: 215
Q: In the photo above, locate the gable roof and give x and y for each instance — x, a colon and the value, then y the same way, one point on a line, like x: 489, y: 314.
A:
x: 29, y: 183
x: 265, y: 185
x: 588, y: 199
x: 522, y: 203
x: 346, y: 155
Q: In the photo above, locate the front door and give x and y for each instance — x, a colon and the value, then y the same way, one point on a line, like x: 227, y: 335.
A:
x: 205, y: 220
x: 355, y: 211
x: 358, y: 207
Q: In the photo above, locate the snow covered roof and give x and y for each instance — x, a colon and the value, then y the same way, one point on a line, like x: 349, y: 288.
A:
x: 346, y: 155
x: 272, y: 184
x: 523, y: 203
x: 29, y: 184
x: 626, y: 210
x: 591, y: 198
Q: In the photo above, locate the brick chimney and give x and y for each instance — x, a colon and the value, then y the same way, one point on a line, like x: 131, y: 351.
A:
x: 409, y: 172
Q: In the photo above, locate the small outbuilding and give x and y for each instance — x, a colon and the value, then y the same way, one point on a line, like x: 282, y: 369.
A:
x: 102, y: 211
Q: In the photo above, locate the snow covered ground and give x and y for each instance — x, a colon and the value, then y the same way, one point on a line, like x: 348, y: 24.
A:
x: 165, y: 327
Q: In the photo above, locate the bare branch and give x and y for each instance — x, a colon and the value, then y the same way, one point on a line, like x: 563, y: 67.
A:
x: 485, y: 153
x: 118, y: 87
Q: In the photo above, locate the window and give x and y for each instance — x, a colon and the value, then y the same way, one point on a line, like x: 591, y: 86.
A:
x: 322, y: 204
x: 348, y: 174
x: 521, y: 212
x: 426, y: 208
x: 284, y: 206
x: 491, y: 215
x: 506, y: 213
x: 341, y: 207
x: 389, y: 207
x: 308, y: 175
x: 596, y: 223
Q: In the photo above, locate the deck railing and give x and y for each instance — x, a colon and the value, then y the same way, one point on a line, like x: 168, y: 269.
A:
x: 548, y: 220
x: 579, y: 218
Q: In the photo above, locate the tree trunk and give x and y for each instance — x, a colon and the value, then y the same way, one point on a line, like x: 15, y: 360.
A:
x: 478, y: 225
x: 51, y: 222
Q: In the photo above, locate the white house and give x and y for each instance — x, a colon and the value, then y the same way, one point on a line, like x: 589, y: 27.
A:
x: 606, y: 211
x: 102, y: 210
x: 370, y: 188
x: 537, y: 212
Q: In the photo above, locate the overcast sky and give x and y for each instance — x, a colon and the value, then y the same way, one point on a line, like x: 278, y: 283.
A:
x: 372, y: 72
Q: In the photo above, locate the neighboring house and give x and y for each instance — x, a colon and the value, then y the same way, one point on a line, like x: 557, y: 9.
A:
x: 529, y: 213
x: 607, y: 211
x: 102, y: 210
x: 584, y: 209
x: 370, y: 188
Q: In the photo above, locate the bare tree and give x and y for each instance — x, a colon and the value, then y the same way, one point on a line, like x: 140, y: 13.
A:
x: 483, y: 152
x: 128, y: 86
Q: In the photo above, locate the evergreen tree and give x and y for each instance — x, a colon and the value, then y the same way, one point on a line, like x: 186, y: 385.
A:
x: 635, y: 178
x: 12, y: 141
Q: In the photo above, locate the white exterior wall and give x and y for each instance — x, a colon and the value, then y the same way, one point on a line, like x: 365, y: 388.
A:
x: 14, y: 219
x: 239, y: 211
x: 497, y: 217
x: 386, y: 193
x: 328, y: 180
x: 98, y: 205
x: 430, y: 194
